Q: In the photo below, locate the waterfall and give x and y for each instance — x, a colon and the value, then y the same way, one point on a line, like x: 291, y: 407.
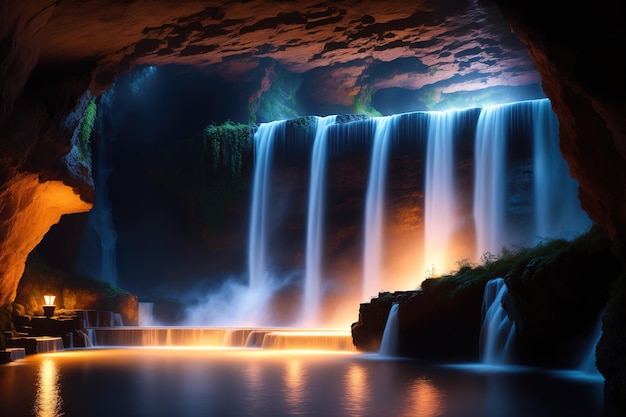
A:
x: 490, y: 177
x: 497, y: 331
x: 315, y: 223
x: 145, y: 313
x: 257, y: 250
x: 552, y: 217
x: 389, y: 343
x: 523, y: 191
x: 588, y: 362
x: 100, y: 217
x: 475, y: 179
x: 439, y: 196
x: 375, y: 207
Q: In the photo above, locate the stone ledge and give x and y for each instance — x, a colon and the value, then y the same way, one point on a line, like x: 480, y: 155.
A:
x: 33, y: 345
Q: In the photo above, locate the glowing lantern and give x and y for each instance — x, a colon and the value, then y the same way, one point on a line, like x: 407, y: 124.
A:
x: 48, y: 308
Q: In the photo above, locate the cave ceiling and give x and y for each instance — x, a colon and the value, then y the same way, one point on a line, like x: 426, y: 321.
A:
x: 346, y: 47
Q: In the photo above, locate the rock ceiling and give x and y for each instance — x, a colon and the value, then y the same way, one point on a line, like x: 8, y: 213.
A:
x: 347, y: 45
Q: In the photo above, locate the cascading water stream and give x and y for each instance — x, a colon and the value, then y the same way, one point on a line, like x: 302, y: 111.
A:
x: 100, y: 217
x: 497, y: 331
x: 552, y: 217
x: 315, y: 224
x: 490, y: 179
x: 257, y: 251
x: 439, y: 196
x: 375, y: 207
x: 389, y: 343
x: 260, y: 286
x: 479, y: 187
x: 588, y: 362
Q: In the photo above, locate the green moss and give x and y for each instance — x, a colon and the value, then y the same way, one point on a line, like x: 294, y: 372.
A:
x: 385, y: 296
x: 279, y: 100
x: 363, y: 103
x: 86, y: 129
x: 219, y: 178
x: 111, y: 294
x: 226, y: 144
x: 511, y: 261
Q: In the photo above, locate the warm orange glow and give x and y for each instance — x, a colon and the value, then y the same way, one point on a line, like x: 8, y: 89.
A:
x: 294, y: 379
x: 269, y: 338
x: 424, y: 399
x: 113, y: 354
x: 30, y: 208
x: 357, y: 390
x: 48, y: 397
x: 309, y: 340
x: 49, y: 299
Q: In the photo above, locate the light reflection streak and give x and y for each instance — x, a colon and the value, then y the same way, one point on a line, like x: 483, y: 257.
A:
x: 48, y: 399
x: 294, y: 385
x: 423, y: 399
x: 253, y: 380
x: 357, y: 390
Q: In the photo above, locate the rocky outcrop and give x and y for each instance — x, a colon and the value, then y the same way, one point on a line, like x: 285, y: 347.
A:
x: 557, y: 297
x: 556, y: 293
x: 29, y: 207
x: 440, y: 322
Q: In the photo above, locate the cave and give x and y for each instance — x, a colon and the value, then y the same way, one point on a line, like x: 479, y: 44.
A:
x: 149, y: 79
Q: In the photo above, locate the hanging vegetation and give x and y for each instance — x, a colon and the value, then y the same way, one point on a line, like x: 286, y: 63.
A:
x: 227, y: 144
x: 86, y: 128
x: 224, y: 149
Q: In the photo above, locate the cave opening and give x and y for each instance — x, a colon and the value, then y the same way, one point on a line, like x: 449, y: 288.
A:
x: 160, y: 230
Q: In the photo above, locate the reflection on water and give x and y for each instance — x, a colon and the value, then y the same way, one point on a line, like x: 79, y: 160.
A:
x: 48, y: 398
x: 424, y: 399
x: 357, y: 390
x: 257, y: 383
x: 294, y: 385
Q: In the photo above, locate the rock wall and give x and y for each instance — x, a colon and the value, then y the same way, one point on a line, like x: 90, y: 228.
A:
x: 573, y: 49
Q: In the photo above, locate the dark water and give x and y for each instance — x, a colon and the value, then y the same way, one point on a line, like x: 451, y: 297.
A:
x: 237, y: 382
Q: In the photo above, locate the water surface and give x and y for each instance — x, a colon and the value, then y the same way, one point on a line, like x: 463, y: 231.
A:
x: 222, y: 382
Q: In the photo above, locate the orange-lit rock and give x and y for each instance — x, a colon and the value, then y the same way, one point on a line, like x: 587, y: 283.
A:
x: 342, y: 39
x: 28, y: 209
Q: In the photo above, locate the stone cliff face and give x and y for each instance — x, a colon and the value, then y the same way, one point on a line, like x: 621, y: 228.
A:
x: 583, y: 78
x: 55, y: 53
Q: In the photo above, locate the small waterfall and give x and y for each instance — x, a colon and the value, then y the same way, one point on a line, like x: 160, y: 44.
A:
x: 88, y: 341
x: 375, y: 207
x: 440, y: 213
x: 308, y: 340
x: 257, y: 251
x: 236, y: 337
x: 389, y: 343
x: 588, y: 362
x: 145, y: 317
x: 490, y: 178
x: 497, y: 331
x: 91, y: 336
x: 315, y: 223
